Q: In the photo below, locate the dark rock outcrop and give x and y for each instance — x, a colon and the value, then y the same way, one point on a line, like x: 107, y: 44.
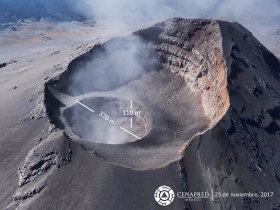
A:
x: 40, y: 163
x: 241, y: 152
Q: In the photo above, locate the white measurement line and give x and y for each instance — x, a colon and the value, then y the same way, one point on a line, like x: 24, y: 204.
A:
x: 131, y: 104
x: 84, y: 106
x: 131, y: 122
x: 130, y: 133
x: 212, y: 194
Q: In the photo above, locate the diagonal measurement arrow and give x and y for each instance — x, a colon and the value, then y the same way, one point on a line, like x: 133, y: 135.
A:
x: 84, y: 106
x: 130, y: 133
x: 120, y: 127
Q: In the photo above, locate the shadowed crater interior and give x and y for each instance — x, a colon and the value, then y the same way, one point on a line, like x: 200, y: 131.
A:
x: 110, y: 115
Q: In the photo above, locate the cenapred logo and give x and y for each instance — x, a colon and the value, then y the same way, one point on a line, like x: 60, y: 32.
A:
x: 164, y: 195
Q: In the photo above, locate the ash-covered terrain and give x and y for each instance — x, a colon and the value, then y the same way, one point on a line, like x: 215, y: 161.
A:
x: 207, y: 94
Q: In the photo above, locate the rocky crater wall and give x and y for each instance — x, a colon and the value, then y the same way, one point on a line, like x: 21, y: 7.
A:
x: 193, y: 50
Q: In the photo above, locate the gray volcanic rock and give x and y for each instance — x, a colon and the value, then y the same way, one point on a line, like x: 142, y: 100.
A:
x: 40, y: 163
x: 209, y: 93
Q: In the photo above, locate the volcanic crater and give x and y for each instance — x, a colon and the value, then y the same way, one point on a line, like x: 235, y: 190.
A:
x: 179, y: 84
x: 206, y: 94
x: 100, y: 127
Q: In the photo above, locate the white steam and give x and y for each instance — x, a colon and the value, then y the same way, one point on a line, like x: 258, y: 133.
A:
x: 112, y: 66
x: 127, y: 11
x: 116, y: 64
x: 256, y: 15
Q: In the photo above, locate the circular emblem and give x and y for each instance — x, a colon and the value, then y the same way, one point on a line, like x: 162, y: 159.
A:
x: 164, y: 195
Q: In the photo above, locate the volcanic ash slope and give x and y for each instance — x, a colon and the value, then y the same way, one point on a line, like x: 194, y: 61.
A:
x: 210, y: 97
x: 241, y: 152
